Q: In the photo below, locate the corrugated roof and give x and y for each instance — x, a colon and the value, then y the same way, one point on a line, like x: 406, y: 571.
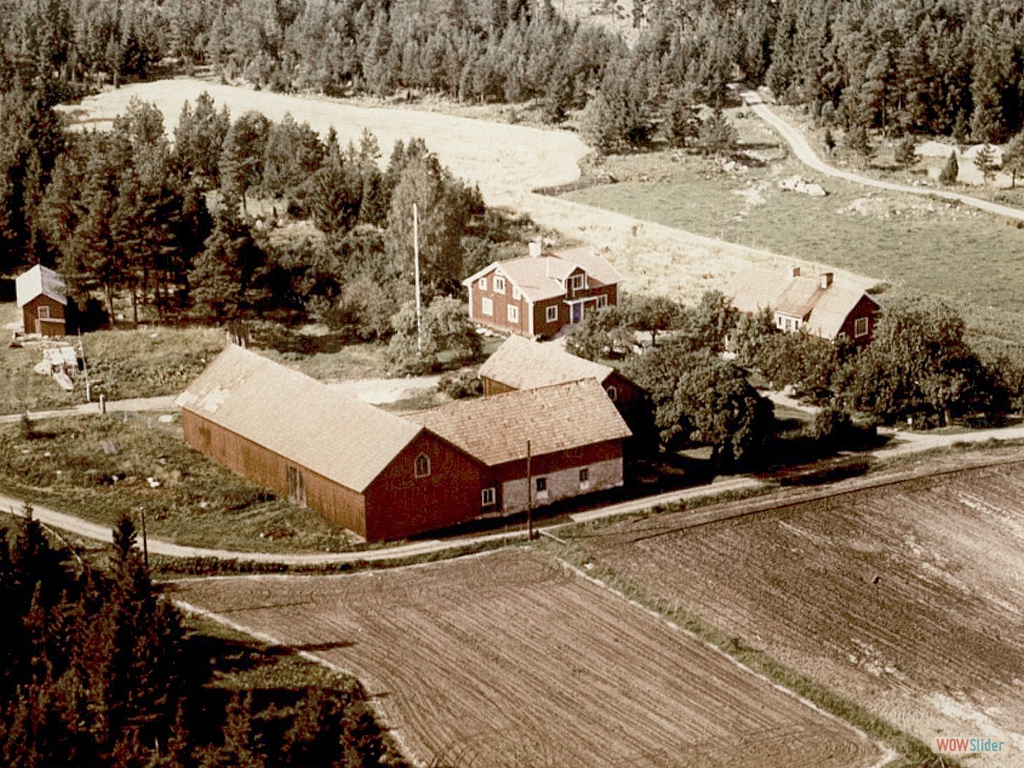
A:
x: 39, y: 281
x: 557, y: 418
x: 525, y: 364
x: 539, y: 278
x: 297, y: 417
x: 824, y: 310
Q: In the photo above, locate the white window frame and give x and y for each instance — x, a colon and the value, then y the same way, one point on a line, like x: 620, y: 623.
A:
x: 540, y: 492
x: 612, y: 393
x: 482, y: 283
x: 602, y: 301
x: 513, y: 313
x: 584, y: 478
x: 551, y: 314
x: 487, y: 306
x: 419, y: 472
x: 499, y: 284
x: 488, y: 497
x: 579, y: 282
x: 43, y: 312
x: 516, y: 295
x: 858, y: 324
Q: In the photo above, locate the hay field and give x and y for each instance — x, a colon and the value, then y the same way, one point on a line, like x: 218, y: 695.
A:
x: 513, y: 659
x: 905, y: 599
x: 507, y: 161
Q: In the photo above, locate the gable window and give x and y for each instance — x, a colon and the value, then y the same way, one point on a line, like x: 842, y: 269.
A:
x: 499, y: 284
x: 421, y: 467
x: 551, y: 314
x: 483, y: 283
x: 613, y: 395
x: 513, y: 314
x: 296, y: 486
x: 487, y: 497
x: 602, y: 301
x: 860, y: 326
x: 487, y: 306
x: 516, y: 295
x: 578, y: 282
x: 43, y: 313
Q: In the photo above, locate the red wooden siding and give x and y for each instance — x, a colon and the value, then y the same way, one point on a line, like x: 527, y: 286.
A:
x: 864, y: 308
x: 399, y: 504
x: 52, y: 327
x: 501, y: 302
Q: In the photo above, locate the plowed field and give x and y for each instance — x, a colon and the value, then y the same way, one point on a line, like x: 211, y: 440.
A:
x: 513, y: 659
x: 907, y: 599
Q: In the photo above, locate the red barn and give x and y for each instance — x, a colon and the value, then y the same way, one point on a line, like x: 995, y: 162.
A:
x: 387, y: 477
x: 821, y: 306
x: 362, y: 468
x: 41, y: 299
x: 538, y: 295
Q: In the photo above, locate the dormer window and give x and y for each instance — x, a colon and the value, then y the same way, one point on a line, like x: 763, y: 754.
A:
x: 578, y: 282
x: 421, y: 467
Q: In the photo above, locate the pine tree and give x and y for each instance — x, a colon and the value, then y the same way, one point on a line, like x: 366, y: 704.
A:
x: 1013, y: 158
x: 906, y: 151
x: 951, y: 171
x: 985, y: 162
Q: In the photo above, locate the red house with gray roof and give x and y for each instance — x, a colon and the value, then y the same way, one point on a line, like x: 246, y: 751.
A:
x: 387, y: 477
x: 42, y: 301
x: 538, y: 295
x: 820, y: 306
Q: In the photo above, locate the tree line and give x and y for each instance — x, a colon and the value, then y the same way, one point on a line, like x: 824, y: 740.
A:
x: 918, y: 367
x: 167, y: 224
x: 98, y: 670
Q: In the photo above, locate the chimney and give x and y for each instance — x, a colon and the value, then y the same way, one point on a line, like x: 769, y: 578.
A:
x: 535, y: 249
x: 794, y: 272
x: 826, y: 280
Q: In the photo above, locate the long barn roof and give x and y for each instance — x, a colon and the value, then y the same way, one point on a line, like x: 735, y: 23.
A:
x: 298, y: 417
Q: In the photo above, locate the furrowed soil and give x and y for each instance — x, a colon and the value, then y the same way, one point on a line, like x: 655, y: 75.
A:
x: 905, y: 599
x: 512, y: 659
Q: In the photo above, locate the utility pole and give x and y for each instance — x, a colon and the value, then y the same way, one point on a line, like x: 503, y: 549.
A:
x: 529, y: 495
x: 416, y: 261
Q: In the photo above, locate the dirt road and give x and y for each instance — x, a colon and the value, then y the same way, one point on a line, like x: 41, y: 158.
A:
x: 806, y: 154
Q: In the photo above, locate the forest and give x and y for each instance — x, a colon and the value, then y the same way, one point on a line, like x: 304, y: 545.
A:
x: 98, y: 670
x: 951, y: 67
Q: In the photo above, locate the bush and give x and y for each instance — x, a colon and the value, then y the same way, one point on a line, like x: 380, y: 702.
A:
x: 460, y: 386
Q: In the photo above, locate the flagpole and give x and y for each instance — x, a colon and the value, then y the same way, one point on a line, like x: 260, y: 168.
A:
x: 416, y: 259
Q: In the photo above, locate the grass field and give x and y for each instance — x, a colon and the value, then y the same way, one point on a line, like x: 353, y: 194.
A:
x: 512, y: 659
x: 903, y: 599
x: 122, y: 364
x: 929, y: 246
x: 192, y: 499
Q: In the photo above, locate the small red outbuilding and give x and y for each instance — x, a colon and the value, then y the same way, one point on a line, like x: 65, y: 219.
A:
x: 41, y: 299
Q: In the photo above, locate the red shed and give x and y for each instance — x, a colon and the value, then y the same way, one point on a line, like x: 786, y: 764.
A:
x: 41, y: 299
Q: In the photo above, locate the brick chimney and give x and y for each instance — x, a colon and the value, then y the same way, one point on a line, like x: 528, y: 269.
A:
x: 794, y: 272
x: 826, y: 280
x: 535, y: 249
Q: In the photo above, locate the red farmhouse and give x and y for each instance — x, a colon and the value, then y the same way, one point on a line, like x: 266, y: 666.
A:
x: 820, y: 306
x: 537, y: 295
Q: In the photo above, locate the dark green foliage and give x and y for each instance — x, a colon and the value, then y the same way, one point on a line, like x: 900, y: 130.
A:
x: 905, y: 154
x: 950, y: 171
x: 1013, y: 157
x: 460, y: 386
x: 700, y: 399
x: 919, y: 366
x: 716, y: 136
x: 985, y: 161
x: 445, y: 330
x: 97, y: 671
